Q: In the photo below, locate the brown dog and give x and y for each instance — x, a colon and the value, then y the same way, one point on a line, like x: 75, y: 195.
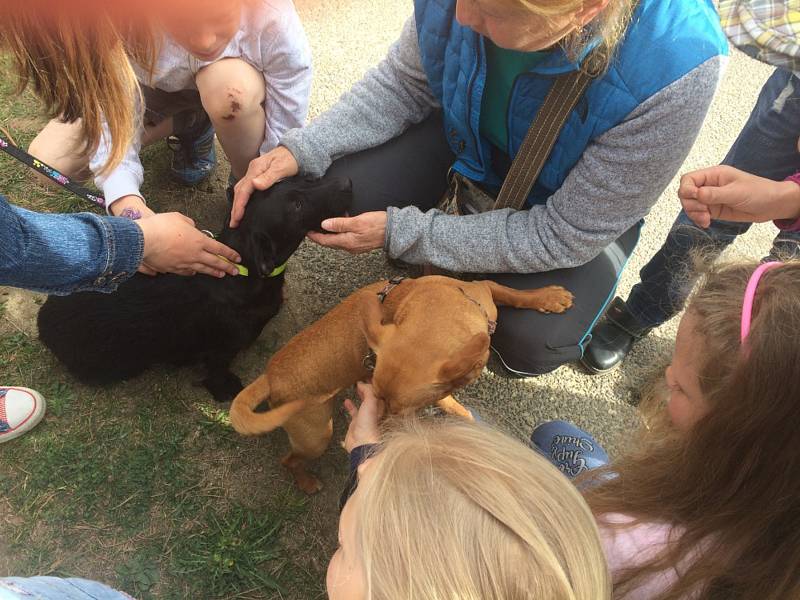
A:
x: 420, y: 339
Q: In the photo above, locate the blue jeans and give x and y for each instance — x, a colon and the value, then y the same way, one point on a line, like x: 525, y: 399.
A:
x: 55, y: 588
x: 766, y: 146
x: 61, y: 254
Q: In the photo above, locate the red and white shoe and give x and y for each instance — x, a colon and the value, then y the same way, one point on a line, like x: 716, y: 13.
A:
x: 21, y: 410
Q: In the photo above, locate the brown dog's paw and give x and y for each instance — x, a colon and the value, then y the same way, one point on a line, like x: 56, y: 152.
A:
x: 555, y: 299
x: 309, y: 484
x: 304, y: 480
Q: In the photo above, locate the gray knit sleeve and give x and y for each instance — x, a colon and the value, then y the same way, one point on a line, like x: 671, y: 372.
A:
x: 615, y: 184
x: 389, y: 99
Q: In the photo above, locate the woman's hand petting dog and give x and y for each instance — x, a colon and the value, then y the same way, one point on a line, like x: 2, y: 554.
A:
x: 364, y: 424
x: 263, y: 172
x: 172, y: 244
x: 356, y: 235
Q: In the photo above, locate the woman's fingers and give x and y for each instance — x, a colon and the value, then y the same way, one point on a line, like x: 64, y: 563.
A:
x: 241, y: 197
x: 262, y: 174
x: 206, y: 270
x: 214, y: 264
x: 245, y: 189
x: 220, y: 249
x: 336, y: 241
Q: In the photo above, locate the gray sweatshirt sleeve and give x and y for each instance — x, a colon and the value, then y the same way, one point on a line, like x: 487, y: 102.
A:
x: 616, y: 182
x: 390, y: 98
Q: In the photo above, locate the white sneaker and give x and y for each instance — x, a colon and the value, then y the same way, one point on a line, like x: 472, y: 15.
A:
x: 21, y: 410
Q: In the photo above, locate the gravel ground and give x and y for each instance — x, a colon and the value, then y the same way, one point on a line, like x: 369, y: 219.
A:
x: 349, y: 37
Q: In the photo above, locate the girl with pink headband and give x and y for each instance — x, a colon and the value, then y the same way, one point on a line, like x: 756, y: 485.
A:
x: 705, y: 504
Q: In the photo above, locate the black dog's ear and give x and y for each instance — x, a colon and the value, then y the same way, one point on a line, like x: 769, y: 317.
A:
x: 264, y: 255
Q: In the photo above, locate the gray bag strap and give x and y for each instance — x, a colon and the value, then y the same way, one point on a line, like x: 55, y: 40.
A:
x: 561, y: 100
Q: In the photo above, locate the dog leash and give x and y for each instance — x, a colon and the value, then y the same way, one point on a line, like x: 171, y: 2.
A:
x: 83, y: 193
x: 52, y: 174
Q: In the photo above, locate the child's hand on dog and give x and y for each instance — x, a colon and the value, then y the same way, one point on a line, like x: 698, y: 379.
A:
x: 364, y: 424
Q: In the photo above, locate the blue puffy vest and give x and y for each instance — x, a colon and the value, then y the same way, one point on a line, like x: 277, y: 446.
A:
x: 666, y: 40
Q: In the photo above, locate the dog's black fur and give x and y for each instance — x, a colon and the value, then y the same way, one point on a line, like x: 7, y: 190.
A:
x: 104, y: 338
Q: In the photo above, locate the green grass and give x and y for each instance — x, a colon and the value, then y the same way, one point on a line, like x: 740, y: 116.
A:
x: 144, y: 485
x: 97, y: 484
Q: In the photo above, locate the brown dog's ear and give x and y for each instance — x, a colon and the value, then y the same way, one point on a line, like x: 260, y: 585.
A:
x: 456, y: 370
x: 372, y: 322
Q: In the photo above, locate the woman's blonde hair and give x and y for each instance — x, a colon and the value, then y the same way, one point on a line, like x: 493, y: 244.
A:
x: 454, y: 511
x: 607, y: 29
x: 730, y: 485
x: 78, y: 65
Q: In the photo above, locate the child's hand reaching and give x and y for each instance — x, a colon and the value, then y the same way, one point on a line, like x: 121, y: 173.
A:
x: 732, y: 195
x: 365, y: 419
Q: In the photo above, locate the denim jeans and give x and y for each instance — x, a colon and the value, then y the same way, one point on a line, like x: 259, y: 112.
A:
x: 766, y: 146
x: 62, y: 254
x: 55, y: 588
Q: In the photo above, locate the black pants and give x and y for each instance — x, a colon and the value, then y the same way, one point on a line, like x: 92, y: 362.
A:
x: 412, y: 170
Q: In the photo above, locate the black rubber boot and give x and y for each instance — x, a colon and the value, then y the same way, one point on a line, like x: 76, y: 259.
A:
x: 613, y: 338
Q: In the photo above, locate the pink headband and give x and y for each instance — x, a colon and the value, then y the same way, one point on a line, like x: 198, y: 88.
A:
x: 750, y: 295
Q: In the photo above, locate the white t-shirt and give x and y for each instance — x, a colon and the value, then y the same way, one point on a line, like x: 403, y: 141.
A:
x: 271, y: 39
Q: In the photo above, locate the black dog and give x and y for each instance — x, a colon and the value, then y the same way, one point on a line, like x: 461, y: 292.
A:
x: 104, y: 338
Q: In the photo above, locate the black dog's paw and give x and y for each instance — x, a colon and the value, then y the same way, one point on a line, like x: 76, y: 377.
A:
x: 223, y: 387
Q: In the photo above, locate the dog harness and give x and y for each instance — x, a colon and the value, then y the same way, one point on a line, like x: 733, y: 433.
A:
x: 370, y: 360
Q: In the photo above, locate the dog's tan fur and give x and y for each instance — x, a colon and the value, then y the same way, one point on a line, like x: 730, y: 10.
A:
x: 430, y: 337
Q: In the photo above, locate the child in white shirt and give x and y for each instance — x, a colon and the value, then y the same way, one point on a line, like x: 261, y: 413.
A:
x: 240, y: 68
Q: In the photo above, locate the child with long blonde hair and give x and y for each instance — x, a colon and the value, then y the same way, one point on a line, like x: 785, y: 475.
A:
x: 240, y: 69
x: 456, y: 511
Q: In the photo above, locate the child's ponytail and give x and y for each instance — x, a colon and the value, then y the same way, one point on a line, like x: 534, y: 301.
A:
x: 78, y: 66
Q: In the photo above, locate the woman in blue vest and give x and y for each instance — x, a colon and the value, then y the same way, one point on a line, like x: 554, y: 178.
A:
x: 459, y: 90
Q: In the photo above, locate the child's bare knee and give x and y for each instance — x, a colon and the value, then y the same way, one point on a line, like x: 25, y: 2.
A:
x: 231, y: 102
x: 236, y: 95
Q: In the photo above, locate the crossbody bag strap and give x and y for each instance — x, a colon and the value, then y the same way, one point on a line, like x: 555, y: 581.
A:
x: 561, y: 100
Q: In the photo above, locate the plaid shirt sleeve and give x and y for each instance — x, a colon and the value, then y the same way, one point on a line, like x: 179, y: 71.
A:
x: 766, y: 30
